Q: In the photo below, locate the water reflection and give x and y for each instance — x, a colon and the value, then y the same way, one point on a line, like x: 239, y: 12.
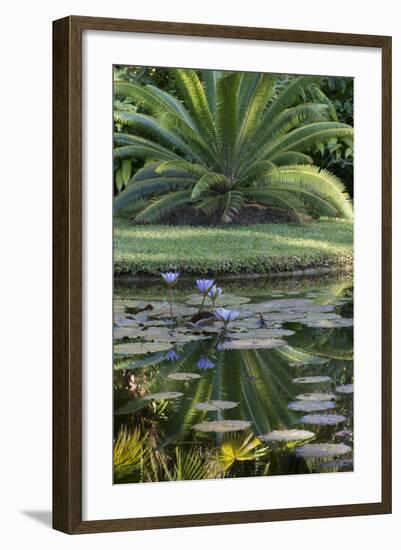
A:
x: 270, y: 395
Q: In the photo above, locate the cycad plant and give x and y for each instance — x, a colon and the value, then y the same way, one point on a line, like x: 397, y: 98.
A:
x: 230, y: 139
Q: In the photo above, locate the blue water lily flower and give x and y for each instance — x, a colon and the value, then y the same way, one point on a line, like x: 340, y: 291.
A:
x: 214, y: 292
x: 204, y: 285
x: 226, y: 315
x: 221, y: 346
x: 170, y: 277
x: 204, y: 363
x: 172, y: 355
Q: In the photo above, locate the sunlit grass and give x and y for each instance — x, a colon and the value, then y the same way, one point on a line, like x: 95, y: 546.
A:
x: 149, y: 249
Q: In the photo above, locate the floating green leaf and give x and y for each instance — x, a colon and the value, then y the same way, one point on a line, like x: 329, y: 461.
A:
x: 221, y: 426
x: 320, y: 450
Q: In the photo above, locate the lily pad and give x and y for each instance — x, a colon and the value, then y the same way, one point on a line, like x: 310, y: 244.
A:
x: 346, y: 388
x: 222, y: 426
x: 330, y: 323
x: 261, y: 333
x: 287, y: 435
x: 223, y: 300
x: 173, y: 336
x: 253, y: 343
x: 308, y: 406
x: 163, y: 395
x: 322, y: 419
x: 215, y: 405
x: 140, y: 348
x: 347, y: 434
x: 316, y: 396
x: 311, y: 380
x: 183, y: 376
x: 322, y: 450
x: 125, y: 332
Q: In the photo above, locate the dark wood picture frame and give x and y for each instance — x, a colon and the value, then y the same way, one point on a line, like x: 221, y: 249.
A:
x: 67, y: 274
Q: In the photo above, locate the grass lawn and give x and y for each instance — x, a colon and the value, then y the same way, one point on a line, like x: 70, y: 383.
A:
x: 149, y: 249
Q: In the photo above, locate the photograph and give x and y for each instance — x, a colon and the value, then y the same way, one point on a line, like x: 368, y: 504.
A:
x: 233, y: 272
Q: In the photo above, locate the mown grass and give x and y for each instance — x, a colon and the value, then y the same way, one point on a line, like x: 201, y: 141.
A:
x: 267, y: 248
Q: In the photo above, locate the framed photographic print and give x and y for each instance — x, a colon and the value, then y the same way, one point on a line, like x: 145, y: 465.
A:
x: 222, y: 275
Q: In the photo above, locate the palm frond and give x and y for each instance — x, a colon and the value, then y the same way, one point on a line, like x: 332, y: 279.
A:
x: 305, y: 138
x: 175, y: 105
x: 207, y: 181
x: 144, y: 149
x: 257, y: 102
x: 193, y: 94
x: 291, y: 157
x: 318, y: 186
x: 163, y: 206
x: 227, y: 119
x: 211, y: 79
x: 151, y: 129
x: 289, y: 95
x: 153, y: 186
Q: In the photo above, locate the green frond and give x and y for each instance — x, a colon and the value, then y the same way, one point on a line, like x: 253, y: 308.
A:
x: 211, y: 79
x: 321, y: 97
x: 240, y: 448
x: 250, y: 117
x: 163, y: 206
x: 225, y: 206
x: 147, y: 99
x: 227, y: 119
x: 153, y: 186
x: 256, y: 169
x: 193, y: 93
x: 305, y: 138
x: 131, y: 450
x: 249, y: 82
x: 233, y: 202
x: 144, y: 149
x: 207, y: 181
x: 318, y: 187
x: 269, y: 131
x: 192, y: 137
x: 175, y: 105
x: 291, y: 157
x: 289, y: 95
x: 151, y: 129
x: 182, y: 166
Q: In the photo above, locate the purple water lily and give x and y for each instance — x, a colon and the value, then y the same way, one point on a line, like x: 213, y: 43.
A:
x: 226, y: 315
x: 204, y: 363
x: 214, y: 292
x: 204, y: 285
x: 221, y: 346
x: 172, y: 355
x: 170, y: 277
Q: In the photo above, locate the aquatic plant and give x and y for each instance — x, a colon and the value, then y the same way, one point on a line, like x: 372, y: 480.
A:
x: 171, y: 278
x: 172, y: 355
x: 204, y: 286
x: 226, y: 315
x: 214, y: 293
x: 204, y: 364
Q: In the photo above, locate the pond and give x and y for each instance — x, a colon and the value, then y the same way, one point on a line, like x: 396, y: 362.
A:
x: 270, y: 392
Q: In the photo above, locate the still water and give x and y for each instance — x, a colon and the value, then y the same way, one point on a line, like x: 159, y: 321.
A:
x: 270, y: 393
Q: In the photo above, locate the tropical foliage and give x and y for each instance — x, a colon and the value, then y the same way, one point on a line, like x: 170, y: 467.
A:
x: 225, y: 140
